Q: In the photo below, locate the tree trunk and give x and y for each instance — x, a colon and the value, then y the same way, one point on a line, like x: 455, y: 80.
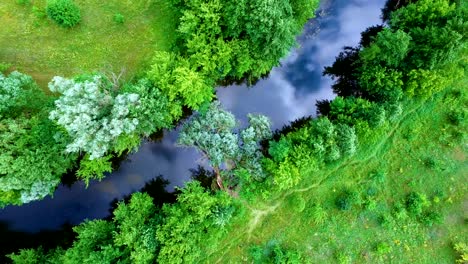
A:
x: 219, y: 180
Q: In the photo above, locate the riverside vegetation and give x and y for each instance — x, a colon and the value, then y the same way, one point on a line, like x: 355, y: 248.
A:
x: 378, y: 176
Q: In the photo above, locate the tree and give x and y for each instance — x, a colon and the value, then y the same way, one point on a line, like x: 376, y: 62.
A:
x: 19, y: 95
x: 214, y: 134
x: 31, y: 146
x: 388, y: 48
x: 136, y: 228
x: 93, y: 114
x: 383, y: 85
x: 345, y: 71
x: 421, y: 14
x: 154, y: 109
x: 129, y: 238
x: 190, y: 222
x: 393, y: 5
x: 65, y: 12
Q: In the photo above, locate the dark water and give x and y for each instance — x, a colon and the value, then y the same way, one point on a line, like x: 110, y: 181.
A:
x: 290, y: 92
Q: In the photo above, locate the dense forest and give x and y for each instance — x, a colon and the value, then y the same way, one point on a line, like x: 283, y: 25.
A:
x: 378, y: 176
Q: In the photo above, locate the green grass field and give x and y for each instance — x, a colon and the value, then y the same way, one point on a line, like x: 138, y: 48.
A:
x: 423, y: 152
x: 36, y: 45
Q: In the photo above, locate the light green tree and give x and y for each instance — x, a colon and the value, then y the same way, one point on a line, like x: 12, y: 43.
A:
x: 216, y: 135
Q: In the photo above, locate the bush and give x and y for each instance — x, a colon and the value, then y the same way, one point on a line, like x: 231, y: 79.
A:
x: 119, y: 18
x: 416, y: 202
x: 318, y: 214
x: 23, y: 2
x: 462, y: 250
x: 383, y: 248
x: 456, y: 116
x: 4, y: 67
x: 297, y: 202
x: 431, y: 218
x: 273, y: 252
x: 346, y: 200
x: 65, y: 12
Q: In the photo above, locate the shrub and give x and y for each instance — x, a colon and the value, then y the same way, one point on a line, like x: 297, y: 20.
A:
x: 399, y: 212
x: 379, y: 176
x: 119, y: 18
x: 431, y: 218
x: 4, y: 67
x: 456, y: 116
x: 383, y: 248
x: 346, y: 200
x: 39, y: 13
x: 273, y: 252
x: 222, y: 215
x: 297, y: 202
x: 65, y: 12
x: 462, y: 250
x: 416, y: 202
x: 318, y: 214
x: 23, y: 2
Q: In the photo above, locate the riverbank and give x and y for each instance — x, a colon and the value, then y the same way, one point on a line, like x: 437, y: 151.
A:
x: 420, y: 153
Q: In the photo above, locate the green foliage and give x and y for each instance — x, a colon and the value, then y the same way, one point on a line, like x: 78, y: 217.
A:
x: 93, y: 113
x: 424, y: 83
x: 304, y: 150
x: 136, y: 228
x: 388, y: 49
x: 303, y: 10
x: 94, y: 168
x: 93, y: 244
x: 154, y: 110
x: 119, y: 18
x: 462, y: 250
x: 273, y: 252
x: 318, y: 214
x: 215, y: 135
x: 383, y: 248
x: 129, y: 238
x: 65, y: 12
x: 31, y: 146
x: 416, y: 203
x: 297, y: 202
x: 347, y: 199
x: 36, y: 256
x: 180, y: 82
x: 23, y: 2
x: 4, y: 67
x: 431, y: 218
x: 16, y: 93
x: 382, y: 84
x: 188, y: 223
x: 226, y: 39
x: 222, y: 215
x: 421, y: 14
x: 356, y: 111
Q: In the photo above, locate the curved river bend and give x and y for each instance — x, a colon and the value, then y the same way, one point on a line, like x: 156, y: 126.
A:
x: 289, y: 92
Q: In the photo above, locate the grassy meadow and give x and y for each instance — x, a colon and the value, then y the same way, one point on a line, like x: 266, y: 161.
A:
x: 37, y: 46
x: 423, y: 152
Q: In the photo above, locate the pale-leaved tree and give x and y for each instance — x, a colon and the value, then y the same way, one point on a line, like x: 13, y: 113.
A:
x: 93, y: 114
x: 228, y: 148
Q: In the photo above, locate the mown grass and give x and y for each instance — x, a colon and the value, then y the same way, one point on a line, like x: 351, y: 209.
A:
x: 424, y: 152
x: 36, y: 45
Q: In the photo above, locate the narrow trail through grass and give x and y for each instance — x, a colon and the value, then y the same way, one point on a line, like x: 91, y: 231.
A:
x: 257, y: 214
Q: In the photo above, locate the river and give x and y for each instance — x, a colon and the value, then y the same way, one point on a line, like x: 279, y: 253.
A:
x: 289, y: 92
